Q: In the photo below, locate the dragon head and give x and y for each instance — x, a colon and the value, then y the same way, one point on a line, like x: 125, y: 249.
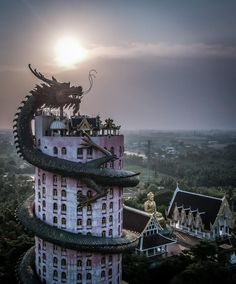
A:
x: 64, y: 95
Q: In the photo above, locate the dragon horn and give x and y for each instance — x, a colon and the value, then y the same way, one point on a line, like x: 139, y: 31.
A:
x: 41, y: 77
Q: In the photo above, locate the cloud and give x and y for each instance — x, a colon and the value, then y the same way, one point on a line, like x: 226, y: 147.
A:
x: 134, y: 50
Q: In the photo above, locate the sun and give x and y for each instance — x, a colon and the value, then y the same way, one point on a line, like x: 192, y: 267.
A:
x: 69, y: 52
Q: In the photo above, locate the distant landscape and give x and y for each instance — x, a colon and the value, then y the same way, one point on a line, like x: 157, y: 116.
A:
x: 199, y: 161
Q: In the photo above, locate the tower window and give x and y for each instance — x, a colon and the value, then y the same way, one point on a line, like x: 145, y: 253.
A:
x: 79, y: 263
x: 103, y: 221
x: 54, y: 220
x: 79, y: 152
x: 63, y: 275
x: 63, y: 181
x: 110, y: 233
x: 103, y: 261
x: 55, y: 274
x: 54, y: 192
x: 43, y: 178
x: 63, y: 221
x: 89, y: 208
x: 111, y: 206
x: 89, y: 222
x: 63, y: 207
x: 79, y: 222
x: 55, y: 261
x: 63, y: 151
x: 79, y: 276
x: 63, y: 194
x: 44, y: 204
x: 39, y: 182
x: 89, y: 262
x: 104, y: 207
x: 89, y: 276
x: 104, y: 234
x: 110, y: 219
x: 54, y: 179
x: 89, y: 152
x: 63, y: 262
x: 103, y: 274
x: 55, y: 151
x: 55, y: 207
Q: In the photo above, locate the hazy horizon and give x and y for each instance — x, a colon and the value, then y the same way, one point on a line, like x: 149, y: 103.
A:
x: 164, y: 65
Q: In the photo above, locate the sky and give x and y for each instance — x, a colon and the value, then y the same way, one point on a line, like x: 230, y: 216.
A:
x: 164, y: 65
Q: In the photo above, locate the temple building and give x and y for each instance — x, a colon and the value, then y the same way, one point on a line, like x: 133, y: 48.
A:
x: 150, y: 226
x: 76, y: 212
x: 200, y: 215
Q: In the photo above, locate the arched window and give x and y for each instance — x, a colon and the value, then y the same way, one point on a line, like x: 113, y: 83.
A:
x: 119, y: 230
x: 89, y: 152
x: 110, y: 272
x: 55, y: 207
x: 39, y: 208
x: 111, y: 206
x: 39, y: 195
x: 89, y: 208
x: 54, y: 192
x: 89, y: 222
x: 63, y: 262
x: 110, y: 233
x: 79, y: 263
x: 79, y: 152
x: 55, y: 151
x: 111, y: 192
x: 54, y: 179
x: 39, y: 182
x: 44, y: 191
x: 63, y: 221
x: 104, y: 234
x: 110, y: 258
x: 44, y: 203
x: 104, y: 221
x: 44, y: 269
x: 89, y: 276
x: 63, y: 207
x: 104, y: 207
x: 63, y: 275
x: 119, y: 217
x: 103, y: 260
x: 39, y: 259
x: 63, y: 193
x: 79, y: 222
x: 89, y: 262
x: 55, y: 261
x: 110, y: 219
x: 103, y: 274
x: 63, y: 150
x: 79, y: 276
x: 63, y: 181
x: 44, y: 257
x: 89, y: 193
x: 43, y: 178
x: 54, y: 220
x: 55, y: 274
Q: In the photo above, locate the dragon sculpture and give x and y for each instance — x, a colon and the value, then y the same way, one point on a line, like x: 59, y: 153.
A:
x: 54, y: 94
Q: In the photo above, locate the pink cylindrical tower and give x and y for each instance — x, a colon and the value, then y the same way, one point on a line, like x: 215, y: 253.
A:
x: 76, y: 212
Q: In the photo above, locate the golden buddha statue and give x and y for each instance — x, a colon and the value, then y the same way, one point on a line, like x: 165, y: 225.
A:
x: 150, y: 207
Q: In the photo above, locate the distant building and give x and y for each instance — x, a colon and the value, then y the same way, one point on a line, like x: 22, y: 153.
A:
x: 152, y: 242
x: 200, y: 215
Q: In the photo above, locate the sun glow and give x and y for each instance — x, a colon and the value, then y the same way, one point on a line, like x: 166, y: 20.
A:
x: 68, y: 52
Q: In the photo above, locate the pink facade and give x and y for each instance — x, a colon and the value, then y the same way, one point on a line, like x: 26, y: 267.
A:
x: 57, y: 204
